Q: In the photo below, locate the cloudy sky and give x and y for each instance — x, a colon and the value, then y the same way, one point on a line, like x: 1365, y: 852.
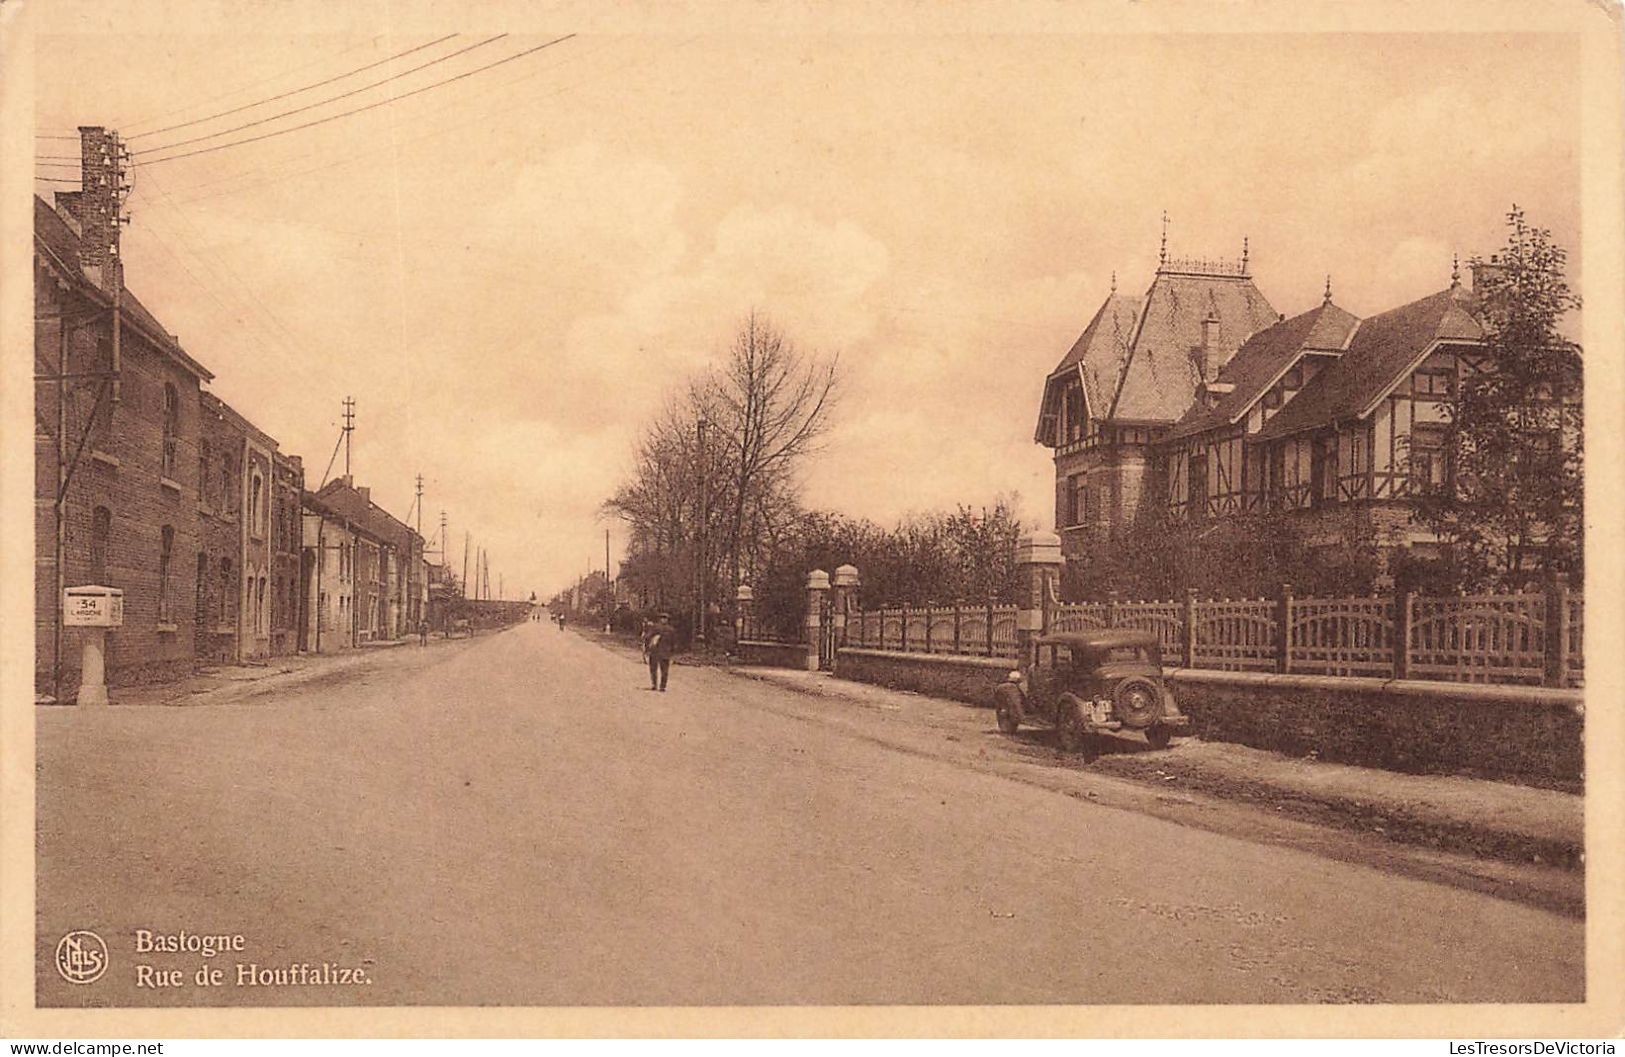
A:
x: 510, y: 272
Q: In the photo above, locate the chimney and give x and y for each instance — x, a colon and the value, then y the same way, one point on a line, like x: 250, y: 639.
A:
x: 1210, y: 341
x: 365, y: 493
x: 1487, y: 271
x: 97, y: 206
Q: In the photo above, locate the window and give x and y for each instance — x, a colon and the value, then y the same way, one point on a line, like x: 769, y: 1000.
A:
x: 1196, y: 485
x: 1074, y: 413
x: 259, y: 606
x: 101, y: 527
x: 99, y: 396
x: 165, y: 554
x: 1429, y: 460
x: 1323, y: 469
x: 172, y: 428
x: 1436, y: 382
x: 203, y: 471
x: 256, y: 495
x: 227, y: 593
x: 1077, y: 503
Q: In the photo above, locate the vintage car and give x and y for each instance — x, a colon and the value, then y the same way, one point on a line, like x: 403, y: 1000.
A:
x: 1088, y: 682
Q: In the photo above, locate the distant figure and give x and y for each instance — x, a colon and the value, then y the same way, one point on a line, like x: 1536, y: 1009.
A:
x: 423, y: 633
x: 561, y: 621
x: 657, y: 646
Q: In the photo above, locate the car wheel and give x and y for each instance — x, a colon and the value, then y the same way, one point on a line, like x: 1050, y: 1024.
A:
x: 1137, y: 702
x: 1007, y: 708
x: 1159, y: 736
x: 1070, y: 732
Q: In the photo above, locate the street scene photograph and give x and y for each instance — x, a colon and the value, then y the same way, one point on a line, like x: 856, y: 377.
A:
x: 592, y: 514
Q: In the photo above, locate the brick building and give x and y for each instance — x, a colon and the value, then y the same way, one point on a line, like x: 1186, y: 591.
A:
x: 1200, y: 399
x: 116, y: 442
x: 1135, y: 370
x: 390, y: 582
x: 247, y: 598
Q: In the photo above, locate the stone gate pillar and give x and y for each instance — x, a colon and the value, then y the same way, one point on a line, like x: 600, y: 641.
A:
x: 743, y: 597
x: 1038, y: 557
x: 817, y: 590
x: 845, y: 592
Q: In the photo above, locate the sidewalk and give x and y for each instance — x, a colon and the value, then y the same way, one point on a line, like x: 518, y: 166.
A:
x: 1485, y: 818
x: 222, y: 684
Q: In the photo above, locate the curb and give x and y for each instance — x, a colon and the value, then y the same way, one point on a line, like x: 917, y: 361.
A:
x: 1439, y: 832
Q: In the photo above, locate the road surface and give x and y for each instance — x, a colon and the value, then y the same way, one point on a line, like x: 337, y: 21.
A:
x: 517, y: 820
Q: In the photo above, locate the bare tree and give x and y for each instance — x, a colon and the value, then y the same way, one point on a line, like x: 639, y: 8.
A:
x: 771, y: 404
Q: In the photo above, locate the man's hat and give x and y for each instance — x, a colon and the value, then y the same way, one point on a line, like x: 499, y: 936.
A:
x: 662, y: 616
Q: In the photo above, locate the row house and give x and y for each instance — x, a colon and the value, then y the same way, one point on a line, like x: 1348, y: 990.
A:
x: 246, y: 490
x: 117, y: 424
x: 148, y: 483
x: 387, y: 578
x: 1200, y: 398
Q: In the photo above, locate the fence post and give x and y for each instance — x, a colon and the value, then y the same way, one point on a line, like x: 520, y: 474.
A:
x: 743, y: 596
x: 817, y: 587
x: 1283, y: 629
x: 990, y: 625
x: 1038, y: 557
x: 844, y: 584
x: 1556, y: 627
x: 957, y: 650
x: 1111, y: 608
x: 1190, y: 627
x: 1403, y: 612
x: 902, y: 626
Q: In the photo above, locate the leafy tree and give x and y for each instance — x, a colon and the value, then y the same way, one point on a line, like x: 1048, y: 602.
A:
x: 1511, y: 509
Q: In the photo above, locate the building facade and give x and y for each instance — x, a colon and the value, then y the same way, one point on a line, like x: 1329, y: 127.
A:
x: 1313, y: 416
x: 116, y: 441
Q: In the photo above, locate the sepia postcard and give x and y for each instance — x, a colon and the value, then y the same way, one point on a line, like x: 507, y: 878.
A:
x: 868, y: 519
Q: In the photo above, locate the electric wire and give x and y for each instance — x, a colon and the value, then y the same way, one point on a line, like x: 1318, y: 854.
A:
x: 319, y: 102
x: 293, y: 92
x: 359, y: 109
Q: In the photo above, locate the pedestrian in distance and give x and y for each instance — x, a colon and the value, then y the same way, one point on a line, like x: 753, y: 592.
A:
x: 657, y: 646
x: 423, y: 633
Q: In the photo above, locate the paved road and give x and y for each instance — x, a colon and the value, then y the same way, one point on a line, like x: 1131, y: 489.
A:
x: 515, y: 819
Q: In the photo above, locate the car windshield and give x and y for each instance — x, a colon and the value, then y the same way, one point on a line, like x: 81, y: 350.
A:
x: 1124, y: 653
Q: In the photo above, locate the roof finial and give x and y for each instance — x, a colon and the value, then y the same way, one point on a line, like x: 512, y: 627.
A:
x: 1244, y: 255
x: 1328, y: 298
x: 1162, y: 257
x: 1114, y: 280
x: 1455, y: 270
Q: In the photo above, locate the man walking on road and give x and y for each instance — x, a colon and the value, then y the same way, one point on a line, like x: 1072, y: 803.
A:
x: 657, y: 644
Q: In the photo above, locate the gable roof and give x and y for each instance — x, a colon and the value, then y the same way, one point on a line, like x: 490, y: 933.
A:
x: 62, y: 243
x: 1383, y: 350
x: 341, y: 496
x: 1263, y: 358
x: 1102, y: 348
x: 1158, y: 382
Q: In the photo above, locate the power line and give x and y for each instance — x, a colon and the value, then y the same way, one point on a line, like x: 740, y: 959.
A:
x: 261, y: 178
x: 361, y: 109
x: 251, y: 85
x: 295, y: 91
x: 321, y: 102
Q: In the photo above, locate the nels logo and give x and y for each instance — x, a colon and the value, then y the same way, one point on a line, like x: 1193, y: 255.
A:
x: 81, y: 957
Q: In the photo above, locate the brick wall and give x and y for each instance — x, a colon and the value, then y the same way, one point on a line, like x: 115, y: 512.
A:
x: 121, y: 473
x: 968, y: 679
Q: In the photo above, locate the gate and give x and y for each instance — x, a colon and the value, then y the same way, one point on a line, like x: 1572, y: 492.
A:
x: 827, y: 643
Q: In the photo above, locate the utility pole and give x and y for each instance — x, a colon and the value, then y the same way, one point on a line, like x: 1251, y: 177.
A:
x: 465, y: 563
x: 609, y: 590
x: 419, y: 505
x: 349, y: 428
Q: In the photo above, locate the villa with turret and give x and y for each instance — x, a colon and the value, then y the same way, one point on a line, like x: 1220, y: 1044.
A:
x: 1199, y: 396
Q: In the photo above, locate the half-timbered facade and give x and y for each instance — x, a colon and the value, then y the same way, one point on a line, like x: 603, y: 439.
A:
x: 1197, y: 397
x: 1212, y: 465
x: 1371, y: 427
x: 1130, y: 376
